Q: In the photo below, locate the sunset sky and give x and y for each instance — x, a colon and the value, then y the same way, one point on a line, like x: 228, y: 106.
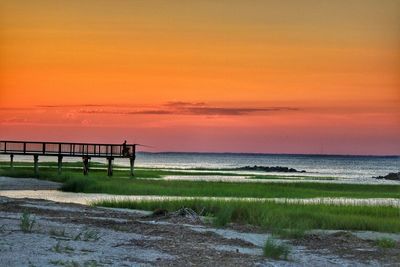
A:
x: 288, y: 76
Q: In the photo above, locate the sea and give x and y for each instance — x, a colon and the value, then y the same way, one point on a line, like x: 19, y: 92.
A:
x: 352, y: 167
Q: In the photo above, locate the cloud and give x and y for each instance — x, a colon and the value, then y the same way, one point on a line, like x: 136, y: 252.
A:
x: 168, y: 108
x: 232, y: 111
x: 152, y: 112
x: 179, y: 104
x: 189, y: 108
x: 15, y: 109
x: 200, y: 108
x: 13, y: 120
x: 69, y: 106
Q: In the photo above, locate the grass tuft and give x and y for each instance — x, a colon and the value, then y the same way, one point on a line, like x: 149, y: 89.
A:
x: 26, y: 222
x: 62, y: 249
x: 386, y: 243
x: 87, y: 235
x: 275, y: 250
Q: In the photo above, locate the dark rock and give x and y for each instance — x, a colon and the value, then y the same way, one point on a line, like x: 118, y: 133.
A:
x: 268, y: 169
x: 391, y: 176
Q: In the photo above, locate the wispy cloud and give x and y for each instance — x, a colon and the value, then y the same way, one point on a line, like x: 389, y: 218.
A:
x: 70, y: 106
x: 188, y: 108
x: 203, y: 109
x: 180, y: 104
x: 15, y: 109
x: 70, y: 112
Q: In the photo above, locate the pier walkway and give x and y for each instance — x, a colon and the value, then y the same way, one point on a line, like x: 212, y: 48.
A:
x: 86, y: 151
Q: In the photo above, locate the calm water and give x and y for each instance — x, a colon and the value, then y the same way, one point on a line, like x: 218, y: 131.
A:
x: 344, y: 166
x: 338, y: 166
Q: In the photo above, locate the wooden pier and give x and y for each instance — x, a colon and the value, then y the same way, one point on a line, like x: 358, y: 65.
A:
x: 86, y: 151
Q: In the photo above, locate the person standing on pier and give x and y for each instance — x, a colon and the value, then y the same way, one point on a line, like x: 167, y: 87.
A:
x: 125, y: 149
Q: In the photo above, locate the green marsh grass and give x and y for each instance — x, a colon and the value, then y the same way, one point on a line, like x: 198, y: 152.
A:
x: 291, y: 233
x: 141, y: 184
x: 385, y: 243
x: 276, y: 216
x: 272, y: 216
x: 276, y: 250
x: 121, y: 186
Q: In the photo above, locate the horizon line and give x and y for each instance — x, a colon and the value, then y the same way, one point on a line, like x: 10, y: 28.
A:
x: 272, y: 153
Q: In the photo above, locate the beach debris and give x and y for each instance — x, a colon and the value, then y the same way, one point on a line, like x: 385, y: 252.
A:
x: 186, y: 213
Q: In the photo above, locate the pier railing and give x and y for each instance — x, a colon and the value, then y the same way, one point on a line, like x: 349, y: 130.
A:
x: 62, y: 149
x: 67, y: 149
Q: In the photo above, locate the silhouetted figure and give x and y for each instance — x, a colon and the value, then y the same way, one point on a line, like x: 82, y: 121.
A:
x: 125, y: 149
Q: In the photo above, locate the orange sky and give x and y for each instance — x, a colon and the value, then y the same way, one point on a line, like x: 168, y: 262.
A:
x: 270, y: 76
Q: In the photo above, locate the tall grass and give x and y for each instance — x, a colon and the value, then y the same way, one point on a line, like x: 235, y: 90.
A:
x: 276, y: 216
x: 275, y: 250
x: 227, y: 189
x: 26, y: 222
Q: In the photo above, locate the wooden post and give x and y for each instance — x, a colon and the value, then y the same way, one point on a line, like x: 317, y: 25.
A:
x: 110, y: 166
x: 59, y: 163
x: 12, y: 161
x: 85, y: 165
x: 36, y: 164
x: 132, y: 160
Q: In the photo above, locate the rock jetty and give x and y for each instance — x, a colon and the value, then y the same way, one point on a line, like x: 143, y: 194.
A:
x: 268, y: 169
x: 391, y: 176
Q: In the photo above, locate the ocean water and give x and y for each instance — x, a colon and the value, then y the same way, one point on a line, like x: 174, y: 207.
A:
x: 336, y: 166
x: 323, y: 165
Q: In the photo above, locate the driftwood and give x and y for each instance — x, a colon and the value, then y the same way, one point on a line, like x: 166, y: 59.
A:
x: 188, y: 213
x: 181, y: 213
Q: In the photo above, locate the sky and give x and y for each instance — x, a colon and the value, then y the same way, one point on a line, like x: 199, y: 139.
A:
x: 293, y: 76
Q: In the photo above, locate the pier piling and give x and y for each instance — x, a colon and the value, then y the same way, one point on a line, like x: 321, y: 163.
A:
x: 132, y: 161
x: 36, y: 164
x: 60, y: 164
x: 86, y: 165
x: 110, y: 166
x: 12, y: 161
